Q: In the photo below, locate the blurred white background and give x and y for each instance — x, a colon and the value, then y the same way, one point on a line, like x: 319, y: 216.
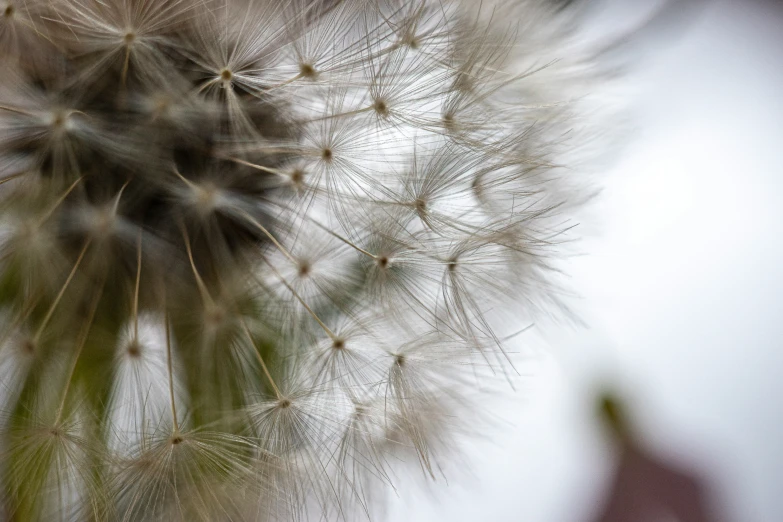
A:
x: 681, y: 289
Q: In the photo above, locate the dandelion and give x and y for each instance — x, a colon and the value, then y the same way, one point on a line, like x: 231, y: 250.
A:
x: 254, y: 254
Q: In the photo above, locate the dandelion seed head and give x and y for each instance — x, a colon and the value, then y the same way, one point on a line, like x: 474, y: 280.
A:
x: 229, y: 240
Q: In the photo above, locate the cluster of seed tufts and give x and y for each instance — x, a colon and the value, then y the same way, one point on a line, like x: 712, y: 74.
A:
x: 252, y: 252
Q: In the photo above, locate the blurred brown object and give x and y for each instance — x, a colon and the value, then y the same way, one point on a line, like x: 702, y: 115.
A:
x: 646, y: 488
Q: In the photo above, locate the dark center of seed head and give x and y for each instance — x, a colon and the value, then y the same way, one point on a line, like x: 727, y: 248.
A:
x: 327, y: 154
x: 338, y: 344
x: 449, y: 122
x: 304, y: 269
x: 226, y: 75
x: 176, y: 439
x: 28, y: 346
x: 134, y: 349
x: 216, y: 316
x: 307, y: 70
x: 381, y: 107
x: 8, y: 12
x: 383, y: 262
x: 477, y: 187
x: 284, y: 403
x: 129, y: 38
